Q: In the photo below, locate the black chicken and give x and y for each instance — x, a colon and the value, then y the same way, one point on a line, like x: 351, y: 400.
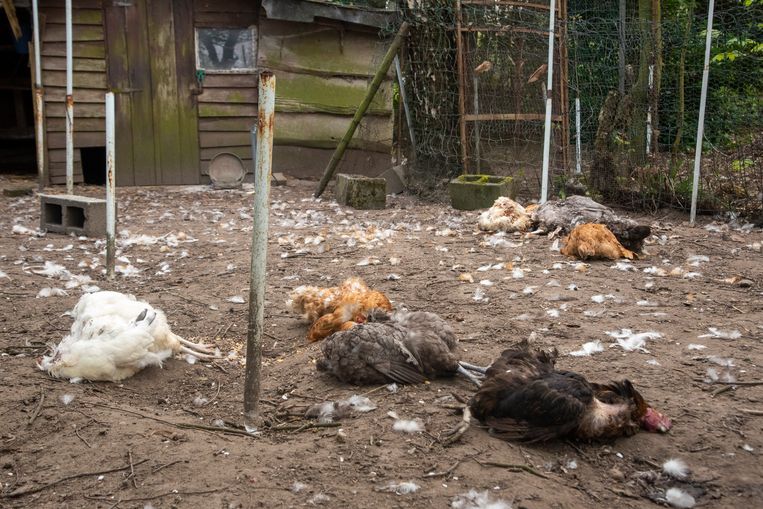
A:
x: 524, y: 397
x: 403, y: 347
x: 576, y: 210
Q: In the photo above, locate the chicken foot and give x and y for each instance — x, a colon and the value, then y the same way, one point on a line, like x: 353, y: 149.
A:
x: 197, y: 347
x: 456, y: 433
x: 469, y: 376
x: 472, y: 367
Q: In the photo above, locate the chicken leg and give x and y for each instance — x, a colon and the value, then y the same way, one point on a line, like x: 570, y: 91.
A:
x: 472, y: 367
x: 453, y: 435
x: 469, y: 376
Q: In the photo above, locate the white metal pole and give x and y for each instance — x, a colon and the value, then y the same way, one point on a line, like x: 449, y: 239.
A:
x: 262, y: 136
x: 111, y: 216
x: 649, y: 111
x: 38, y: 100
x: 549, y: 96
x: 701, y: 121
x: 69, y: 103
x: 578, y: 155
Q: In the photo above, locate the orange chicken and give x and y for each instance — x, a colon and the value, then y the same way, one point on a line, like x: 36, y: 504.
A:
x: 594, y: 241
x: 336, y: 308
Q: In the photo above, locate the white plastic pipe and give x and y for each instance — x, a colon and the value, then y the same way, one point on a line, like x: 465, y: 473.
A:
x: 69, y: 103
x: 549, y: 95
x: 111, y: 216
x: 262, y: 137
x: 701, y: 121
x: 38, y: 100
x: 649, y: 111
x: 578, y: 155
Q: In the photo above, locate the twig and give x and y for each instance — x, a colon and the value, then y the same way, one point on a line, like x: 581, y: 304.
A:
x: 304, y: 426
x: 751, y: 411
x: 21, y: 493
x: 222, y: 336
x: 38, y: 408
x: 188, y: 299
x: 446, y: 473
x: 623, y: 493
x: 173, y: 492
x: 76, y: 432
x: 132, y: 469
x: 511, y: 466
x: 721, y: 390
x: 160, y: 467
x: 374, y: 390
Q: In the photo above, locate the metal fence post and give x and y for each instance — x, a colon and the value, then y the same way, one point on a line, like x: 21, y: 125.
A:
x: 69, y: 103
x: 549, y: 102
x: 110, y: 187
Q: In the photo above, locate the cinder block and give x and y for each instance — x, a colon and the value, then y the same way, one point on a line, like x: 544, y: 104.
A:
x: 67, y: 213
x: 396, y: 179
x: 471, y: 192
x: 360, y: 192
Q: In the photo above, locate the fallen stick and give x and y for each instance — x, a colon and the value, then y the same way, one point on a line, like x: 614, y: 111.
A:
x: 751, y: 411
x: 21, y: 493
x: 511, y: 466
x: 301, y: 427
x: 173, y: 492
x: 38, y: 408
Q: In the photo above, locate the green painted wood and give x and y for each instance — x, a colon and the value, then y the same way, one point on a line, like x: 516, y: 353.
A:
x: 93, y: 49
x: 243, y: 152
x: 227, y: 110
x: 80, y: 64
x: 53, y: 110
x: 229, y: 95
x: 139, y: 70
x: 163, y: 65
x: 188, y: 120
x: 305, y: 92
x: 55, y: 32
x: 81, y: 95
x: 230, y: 80
x: 79, y: 16
x: 318, y: 130
x: 119, y: 79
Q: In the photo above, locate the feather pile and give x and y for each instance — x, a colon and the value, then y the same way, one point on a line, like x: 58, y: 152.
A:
x: 505, y: 215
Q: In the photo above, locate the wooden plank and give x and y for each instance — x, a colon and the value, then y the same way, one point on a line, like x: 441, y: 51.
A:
x: 316, y: 48
x: 82, y: 79
x: 230, y: 81
x: 58, y: 155
x: 80, y: 64
x: 55, y: 32
x: 248, y: 163
x: 229, y: 95
x: 243, y: 152
x: 81, y: 95
x: 188, y: 119
x: 318, y: 130
x: 227, y: 110
x: 511, y: 116
x: 141, y: 113
x: 90, y: 49
x: 225, y: 19
x: 308, y: 93
x: 81, y: 139
x: 165, y: 105
x: 119, y: 79
x: 58, y: 125
x: 227, y: 124
x: 223, y: 139
x: 79, y: 16
x: 76, y: 5
x: 230, y: 6
x: 80, y: 111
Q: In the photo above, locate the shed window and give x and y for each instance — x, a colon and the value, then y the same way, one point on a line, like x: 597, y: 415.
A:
x: 225, y: 49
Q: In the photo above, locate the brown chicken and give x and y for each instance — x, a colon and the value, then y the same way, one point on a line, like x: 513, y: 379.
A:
x: 329, y: 309
x: 524, y: 397
x: 576, y: 210
x: 403, y: 347
x: 594, y: 241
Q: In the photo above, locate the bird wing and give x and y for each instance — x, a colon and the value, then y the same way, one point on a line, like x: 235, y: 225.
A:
x: 398, y: 363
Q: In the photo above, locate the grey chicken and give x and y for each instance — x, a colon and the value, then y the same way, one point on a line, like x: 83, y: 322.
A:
x: 403, y: 347
x: 576, y: 210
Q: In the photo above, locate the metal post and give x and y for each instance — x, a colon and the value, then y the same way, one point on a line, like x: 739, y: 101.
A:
x: 578, y: 155
x: 701, y: 121
x: 111, y: 216
x: 549, y: 97
x: 404, y: 99
x: 69, y: 103
x: 649, y: 111
x: 38, y: 101
x: 262, y: 139
x: 478, y: 166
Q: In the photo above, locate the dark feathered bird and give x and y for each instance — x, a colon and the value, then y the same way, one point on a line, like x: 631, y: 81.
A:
x: 576, y: 210
x: 524, y: 397
x: 403, y: 347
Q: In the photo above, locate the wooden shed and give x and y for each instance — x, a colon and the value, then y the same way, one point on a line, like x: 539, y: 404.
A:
x: 185, y: 77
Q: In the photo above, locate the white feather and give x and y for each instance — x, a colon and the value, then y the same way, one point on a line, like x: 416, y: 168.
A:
x: 474, y: 499
x: 404, y: 426
x: 589, y: 348
x: 401, y: 488
x: 676, y: 468
x: 679, y: 498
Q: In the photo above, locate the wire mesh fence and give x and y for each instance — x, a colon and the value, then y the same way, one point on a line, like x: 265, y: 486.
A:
x: 630, y: 71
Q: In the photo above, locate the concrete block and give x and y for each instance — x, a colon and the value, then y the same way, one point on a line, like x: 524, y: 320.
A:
x: 396, y: 179
x: 277, y: 179
x: 67, y: 213
x: 361, y: 192
x: 472, y: 192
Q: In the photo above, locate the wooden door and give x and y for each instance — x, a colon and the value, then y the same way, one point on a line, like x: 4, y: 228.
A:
x: 151, y: 70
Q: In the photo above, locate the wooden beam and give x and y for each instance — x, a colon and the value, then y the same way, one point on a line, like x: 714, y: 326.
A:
x: 510, y: 116
x: 508, y: 3
x: 461, y: 90
x: 13, y: 20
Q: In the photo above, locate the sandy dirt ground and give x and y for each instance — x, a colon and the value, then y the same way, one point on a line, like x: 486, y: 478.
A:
x: 142, y: 442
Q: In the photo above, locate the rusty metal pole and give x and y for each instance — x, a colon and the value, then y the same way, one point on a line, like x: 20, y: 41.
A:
x: 39, y: 129
x: 262, y: 148
x: 69, y: 103
x: 111, y: 216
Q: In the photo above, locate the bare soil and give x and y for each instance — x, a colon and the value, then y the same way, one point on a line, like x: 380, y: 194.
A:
x: 129, y: 445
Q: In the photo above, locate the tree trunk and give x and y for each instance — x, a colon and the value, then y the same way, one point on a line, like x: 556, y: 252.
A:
x: 681, y: 79
x: 640, y: 92
x: 657, y: 78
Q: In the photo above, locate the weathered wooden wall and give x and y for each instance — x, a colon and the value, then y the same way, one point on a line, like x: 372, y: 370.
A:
x: 89, y: 81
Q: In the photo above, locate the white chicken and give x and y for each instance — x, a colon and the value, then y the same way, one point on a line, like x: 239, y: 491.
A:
x: 505, y: 215
x: 114, y: 336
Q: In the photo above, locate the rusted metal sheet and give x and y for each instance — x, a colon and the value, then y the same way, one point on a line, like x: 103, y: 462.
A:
x: 262, y: 147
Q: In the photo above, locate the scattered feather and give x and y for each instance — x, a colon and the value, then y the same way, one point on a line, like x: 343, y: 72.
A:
x: 200, y: 401
x: 653, y: 362
x: 401, y: 488
x: 517, y: 273
x: 297, y: 486
x: 695, y: 346
x: 588, y: 349
x: 479, y: 296
x: 696, y: 260
x: 486, y: 282
x: 722, y: 334
x: 676, y: 468
x: 624, y: 266
x: 679, y: 498
x: 51, y: 292
x: 466, y: 277
x: 656, y: 271
x: 405, y: 426
x: 190, y: 359
x: 748, y: 448
x: 474, y: 499
x: 236, y: 299
x: 66, y: 398
x: 555, y: 246
x: 529, y: 290
x: 553, y: 313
